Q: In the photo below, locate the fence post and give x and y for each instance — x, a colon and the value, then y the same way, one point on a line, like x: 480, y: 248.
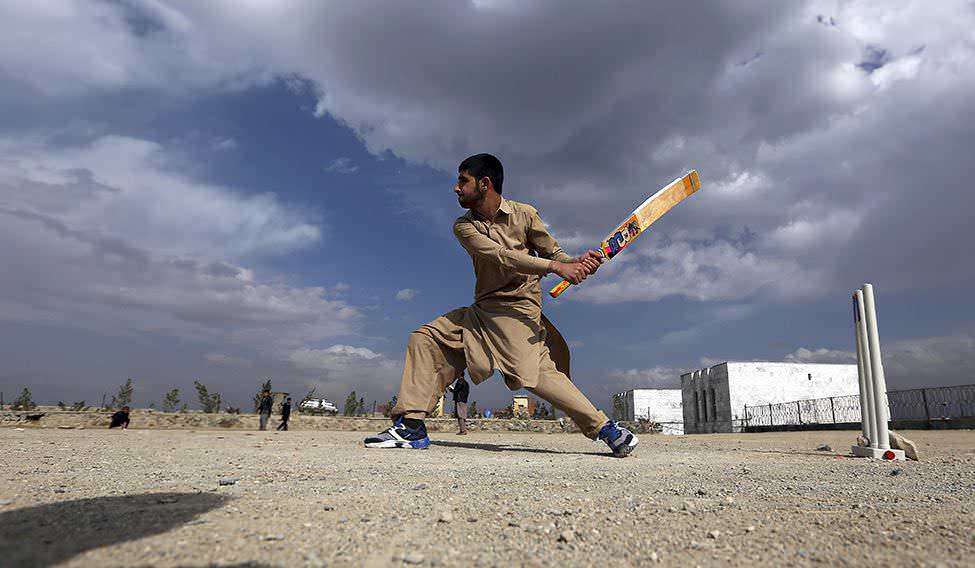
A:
x: 770, y: 421
x: 832, y: 409
x: 927, y: 413
x: 799, y: 411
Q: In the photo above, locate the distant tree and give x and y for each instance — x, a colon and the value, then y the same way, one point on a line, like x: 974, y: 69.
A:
x: 23, y: 402
x: 389, y: 406
x: 105, y: 405
x: 183, y: 408
x: 124, y: 396
x: 62, y: 406
x: 171, y: 401
x: 351, y: 404
x: 79, y: 406
x: 209, y: 402
x: 472, y: 412
x: 232, y: 410
x: 361, y: 409
x: 310, y: 395
x: 257, y: 397
x: 618, y: 410
x: 152, y: 405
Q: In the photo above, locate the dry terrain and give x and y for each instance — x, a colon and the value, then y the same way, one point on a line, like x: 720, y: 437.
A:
x: 316, y: 498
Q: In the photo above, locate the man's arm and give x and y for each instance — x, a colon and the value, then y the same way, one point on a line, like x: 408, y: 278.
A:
x: 541, y: 241
x: 480, y: 245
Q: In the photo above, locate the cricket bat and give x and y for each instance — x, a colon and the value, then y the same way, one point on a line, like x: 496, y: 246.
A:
x: 642, y: 217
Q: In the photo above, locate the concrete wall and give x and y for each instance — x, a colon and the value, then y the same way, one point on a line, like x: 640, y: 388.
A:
x: 715, y: 398
x: 658, y: 405
x: 706, y: 400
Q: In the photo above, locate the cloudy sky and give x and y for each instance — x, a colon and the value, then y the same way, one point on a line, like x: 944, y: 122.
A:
x: 233, y: 190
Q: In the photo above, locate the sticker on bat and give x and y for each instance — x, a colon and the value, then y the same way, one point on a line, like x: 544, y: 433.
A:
x: 622, y: 237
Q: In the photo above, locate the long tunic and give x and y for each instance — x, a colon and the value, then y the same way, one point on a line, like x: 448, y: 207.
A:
x: 504, y: 328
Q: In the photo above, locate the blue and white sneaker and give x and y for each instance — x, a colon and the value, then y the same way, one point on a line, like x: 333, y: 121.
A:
x: 618, y: 438
x: 400, y: 435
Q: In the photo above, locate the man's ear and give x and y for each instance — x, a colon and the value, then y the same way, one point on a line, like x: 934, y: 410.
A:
x: 485, y: 183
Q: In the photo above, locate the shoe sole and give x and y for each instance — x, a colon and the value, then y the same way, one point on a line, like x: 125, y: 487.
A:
x: 409, y: 445
x: 627, y: 448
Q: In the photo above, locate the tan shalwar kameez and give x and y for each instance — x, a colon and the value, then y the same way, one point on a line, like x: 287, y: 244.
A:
x: 504, y: 329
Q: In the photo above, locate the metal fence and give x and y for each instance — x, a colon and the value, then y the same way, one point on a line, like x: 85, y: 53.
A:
x: 930, y: 404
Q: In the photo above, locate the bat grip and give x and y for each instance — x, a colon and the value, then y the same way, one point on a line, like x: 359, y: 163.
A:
x: 561, y: 287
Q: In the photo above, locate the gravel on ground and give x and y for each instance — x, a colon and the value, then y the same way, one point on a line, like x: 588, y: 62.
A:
x: 302, y: 498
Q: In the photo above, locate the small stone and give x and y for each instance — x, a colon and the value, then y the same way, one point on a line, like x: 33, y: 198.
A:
x: 824, y: 448
x: 277, y: 536
x: 714, y: 534
x: 896, y: 471
x: 413, y: 558
x: 167, y: 500
x: 750, y: 529
x: 60, y: 490
x: 329, y: 507
x: 729, y: 500
x: 445, y: 517
x: 567, y: 536
x: 421, y: 486
x: 228, y: 480
x: 654, y: 557
x: 471, y: 519
x: 5, y: 502
x: 701, y: 492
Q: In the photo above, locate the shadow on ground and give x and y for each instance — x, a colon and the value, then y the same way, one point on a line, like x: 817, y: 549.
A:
x: 509, y: 448
x: 53, y: 533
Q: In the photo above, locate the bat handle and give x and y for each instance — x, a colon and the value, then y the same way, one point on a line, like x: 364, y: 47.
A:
x: 561, y: 287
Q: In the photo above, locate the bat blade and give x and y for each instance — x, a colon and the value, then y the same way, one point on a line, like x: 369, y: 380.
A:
x: 642, y: 217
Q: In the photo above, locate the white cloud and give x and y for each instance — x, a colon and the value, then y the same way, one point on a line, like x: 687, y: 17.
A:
x: 342, y: 165
x: 653, y: 377
x: 720, y: 270
x: 108, y: 238
x: 224, y: 144
x: 228, y: 360
x: 406, y: 294
x: 129, y: 188
x: 929, y: 361
x: 821, y: 355
x: 341, y: 368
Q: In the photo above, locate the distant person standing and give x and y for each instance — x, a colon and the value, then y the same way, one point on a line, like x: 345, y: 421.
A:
x: 120, y: 419
x: 462, y: 390
x: 285, y: 414
x: 264, y: 408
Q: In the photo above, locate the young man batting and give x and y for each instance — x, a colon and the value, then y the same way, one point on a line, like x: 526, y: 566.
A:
x: 504, y: 328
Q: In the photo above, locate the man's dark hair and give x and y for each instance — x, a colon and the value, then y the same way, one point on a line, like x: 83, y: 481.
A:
x: 484, y: 165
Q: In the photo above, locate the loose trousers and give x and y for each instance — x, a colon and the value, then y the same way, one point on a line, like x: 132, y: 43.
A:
x: 435, y: 355
x: 460, y: 410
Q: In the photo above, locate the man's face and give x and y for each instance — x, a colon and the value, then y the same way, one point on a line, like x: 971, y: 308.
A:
x: 469, y: 193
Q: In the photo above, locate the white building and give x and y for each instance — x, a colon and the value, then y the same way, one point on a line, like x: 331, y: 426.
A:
x: 714, y: 399
x: 659, y: 405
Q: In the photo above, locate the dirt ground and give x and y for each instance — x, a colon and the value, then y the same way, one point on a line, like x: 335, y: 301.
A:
x: 201, y: 498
